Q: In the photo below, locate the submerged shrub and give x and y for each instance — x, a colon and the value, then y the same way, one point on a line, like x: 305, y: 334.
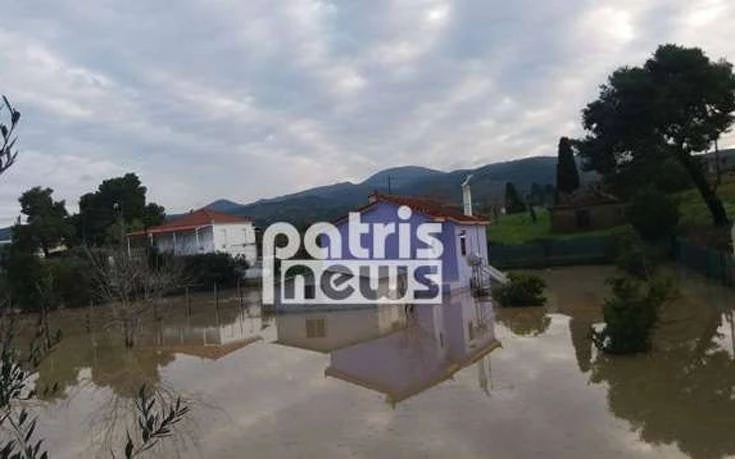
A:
x: 23, y: 272
x: 630, y: 314
x: 637, y: 258
x: 209, y: 268
x: 522, y: 290
x: 72, y: 280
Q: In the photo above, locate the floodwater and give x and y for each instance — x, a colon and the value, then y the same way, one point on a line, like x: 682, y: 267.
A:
x: 463, y: 379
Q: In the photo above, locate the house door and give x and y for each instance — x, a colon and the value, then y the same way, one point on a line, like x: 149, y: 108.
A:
x: 583, y: 219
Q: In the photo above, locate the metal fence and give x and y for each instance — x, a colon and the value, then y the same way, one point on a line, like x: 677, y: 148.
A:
x: 712, y: 263
x: 539, y: 254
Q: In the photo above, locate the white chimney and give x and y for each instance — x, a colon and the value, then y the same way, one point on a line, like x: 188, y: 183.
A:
x: 467, y: 196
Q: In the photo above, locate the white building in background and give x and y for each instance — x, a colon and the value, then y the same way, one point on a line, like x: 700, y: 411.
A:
x: 204, y: 231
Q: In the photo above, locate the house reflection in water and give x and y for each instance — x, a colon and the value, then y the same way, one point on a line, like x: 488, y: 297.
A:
x: 213, y: 336
x: 399, y: 351
x: 329, y: 331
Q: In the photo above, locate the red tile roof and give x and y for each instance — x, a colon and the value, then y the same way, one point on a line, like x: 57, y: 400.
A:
x: 429, y: 207
x: 191, y: 221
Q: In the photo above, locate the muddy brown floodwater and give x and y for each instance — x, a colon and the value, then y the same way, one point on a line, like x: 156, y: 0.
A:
x: 462, y: 379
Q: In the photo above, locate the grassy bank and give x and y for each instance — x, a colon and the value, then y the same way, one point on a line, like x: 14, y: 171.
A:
x: 520, y: 228
x: 695, y: 217
x: 693, y: 209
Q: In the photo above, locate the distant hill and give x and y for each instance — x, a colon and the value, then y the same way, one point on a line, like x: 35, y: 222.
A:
x: 331, y: 201
x: 224, y: 205
x: 6, y: 235
x: 727, y: 157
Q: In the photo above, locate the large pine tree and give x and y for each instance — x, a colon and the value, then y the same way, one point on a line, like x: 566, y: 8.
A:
x: 667, y: 111
x: 567, y: 175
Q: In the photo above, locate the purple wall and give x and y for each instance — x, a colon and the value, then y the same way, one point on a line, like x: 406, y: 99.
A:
x: 385, y: 212
x: 437, y: 337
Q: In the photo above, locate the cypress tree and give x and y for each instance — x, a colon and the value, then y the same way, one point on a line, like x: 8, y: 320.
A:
x: 513, y: 202
x: 567, y: 176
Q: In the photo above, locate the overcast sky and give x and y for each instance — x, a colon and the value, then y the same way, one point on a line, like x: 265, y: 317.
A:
x: 245, y: 99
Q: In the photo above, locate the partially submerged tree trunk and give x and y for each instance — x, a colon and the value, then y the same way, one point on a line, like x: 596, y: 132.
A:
x: 714, y: 204
x: 133, y: 286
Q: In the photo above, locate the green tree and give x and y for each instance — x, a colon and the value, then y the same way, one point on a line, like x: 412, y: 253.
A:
x: 115, y: 199
x: 513, y: 202
x: 47, y: 222
x: 653, y: 215
x: 23, y: 273
x: 567, y: 175
x: 677, y: 104
x: 153, y: 215
x: 631, y: 313
x: 536, y: 196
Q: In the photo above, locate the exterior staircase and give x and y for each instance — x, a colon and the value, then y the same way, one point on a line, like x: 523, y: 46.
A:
x: 484, y: 276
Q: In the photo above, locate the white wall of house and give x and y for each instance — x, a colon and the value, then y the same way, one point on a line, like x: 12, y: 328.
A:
x: 236, y: 239
x: 185, y: 242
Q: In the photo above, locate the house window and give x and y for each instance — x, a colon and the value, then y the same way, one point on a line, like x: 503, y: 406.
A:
x: 316, y: 328
x: 583, y: 219
x: 463, y: 243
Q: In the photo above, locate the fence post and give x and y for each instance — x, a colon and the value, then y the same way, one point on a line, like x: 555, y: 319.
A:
x: 188, y: 300
x: 89, y: 317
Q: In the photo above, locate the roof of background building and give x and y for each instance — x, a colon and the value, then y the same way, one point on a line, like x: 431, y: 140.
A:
x: 191, y: 221
x: 427, y: 206
x: 586, y: 197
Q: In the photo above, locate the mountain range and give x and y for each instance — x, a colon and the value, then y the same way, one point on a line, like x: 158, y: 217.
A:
x: 328, y: 202
x: 325, y: 203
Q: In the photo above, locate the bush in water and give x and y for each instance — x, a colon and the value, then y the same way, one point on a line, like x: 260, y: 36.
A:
x: 630, y: 314
x: 207, y: 269
x: 522, y: 290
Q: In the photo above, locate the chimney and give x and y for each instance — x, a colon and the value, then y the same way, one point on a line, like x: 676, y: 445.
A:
x: 467, y: 196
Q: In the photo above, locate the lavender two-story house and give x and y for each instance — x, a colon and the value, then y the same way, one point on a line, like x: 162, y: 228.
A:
x: 463, y: 236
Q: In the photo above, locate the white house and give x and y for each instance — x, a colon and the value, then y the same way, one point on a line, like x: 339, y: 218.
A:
x: 205, y: 231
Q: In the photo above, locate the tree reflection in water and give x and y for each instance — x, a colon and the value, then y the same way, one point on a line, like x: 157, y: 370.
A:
x: 98, y: 362
x: 683, y: 392
x: 528, y: 321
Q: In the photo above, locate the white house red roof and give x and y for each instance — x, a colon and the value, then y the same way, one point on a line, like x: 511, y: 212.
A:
x: 429, y: 207
x: 192, y: 221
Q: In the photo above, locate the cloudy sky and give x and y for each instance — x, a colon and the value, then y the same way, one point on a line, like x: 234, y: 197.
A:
x: 249, y: 99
